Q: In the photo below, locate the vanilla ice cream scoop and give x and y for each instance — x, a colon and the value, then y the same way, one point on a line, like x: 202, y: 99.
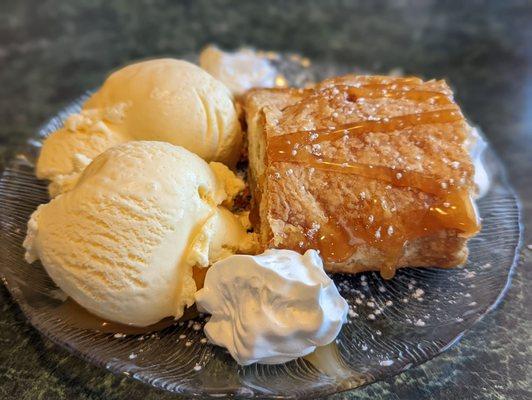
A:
x: 164, y: 100
x: 122, y: 242
x: 271, y: 308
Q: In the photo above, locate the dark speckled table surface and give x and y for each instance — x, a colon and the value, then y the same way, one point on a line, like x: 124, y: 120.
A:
x: 51, y: 51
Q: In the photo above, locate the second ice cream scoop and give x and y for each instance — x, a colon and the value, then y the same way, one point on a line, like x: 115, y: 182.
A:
x: 165, y: 100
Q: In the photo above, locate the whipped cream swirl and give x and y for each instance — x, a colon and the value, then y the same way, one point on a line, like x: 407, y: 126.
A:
x: 240, y: 70
x: 477, y: 147
x: 271, y: 308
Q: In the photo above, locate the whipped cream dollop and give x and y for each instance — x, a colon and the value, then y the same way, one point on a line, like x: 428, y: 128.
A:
x: 271, y: 308
x: 240, y: 70
x: 477, y: 149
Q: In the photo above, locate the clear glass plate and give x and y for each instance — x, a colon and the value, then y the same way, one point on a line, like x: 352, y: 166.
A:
x: 393, y: 325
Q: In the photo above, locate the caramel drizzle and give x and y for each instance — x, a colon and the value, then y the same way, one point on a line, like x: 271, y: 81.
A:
x: 377, y: 91
x: 283, y: 144
x: 386, y: 80
x: 392, y: 90
x: 394, y: 176
x: 452, y: 208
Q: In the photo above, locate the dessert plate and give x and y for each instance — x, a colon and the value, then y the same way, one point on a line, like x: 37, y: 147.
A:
x: 392, y: 325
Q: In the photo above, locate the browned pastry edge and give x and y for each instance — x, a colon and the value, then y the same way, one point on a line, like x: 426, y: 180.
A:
x: 271, y: 113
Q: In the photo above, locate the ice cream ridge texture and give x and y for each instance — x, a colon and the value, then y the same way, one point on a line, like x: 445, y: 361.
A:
x: 123, y: 241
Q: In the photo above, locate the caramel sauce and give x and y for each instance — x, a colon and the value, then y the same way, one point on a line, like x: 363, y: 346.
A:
x: 386, y: 80
x: 284, y: 144
x: 199, y: 274
x: 378, y: 91
x: 395, y: 91
x: 447, y: 206
x: 405, y: 88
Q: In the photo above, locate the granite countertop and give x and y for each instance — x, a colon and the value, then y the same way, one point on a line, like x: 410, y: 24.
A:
x: 51, y: 51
